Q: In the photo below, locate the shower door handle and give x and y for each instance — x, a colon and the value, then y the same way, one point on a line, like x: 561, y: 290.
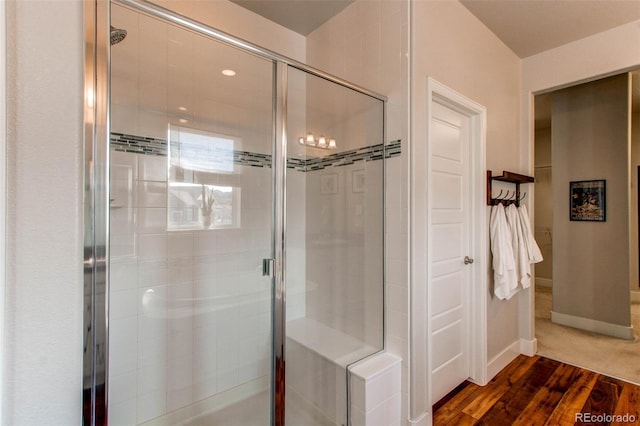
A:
x: 267, y: 267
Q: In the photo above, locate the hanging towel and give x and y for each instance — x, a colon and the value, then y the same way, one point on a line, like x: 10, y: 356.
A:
x: 504, y: 269
x: 533, y: 251
x: 521, y: 256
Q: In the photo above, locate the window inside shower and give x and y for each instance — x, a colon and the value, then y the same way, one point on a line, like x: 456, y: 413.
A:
x: 195, y: 197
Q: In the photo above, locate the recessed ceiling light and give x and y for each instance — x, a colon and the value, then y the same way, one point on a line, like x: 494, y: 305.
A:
x: 184, y: 120
x: 182, y: 108
x: 228, y: 73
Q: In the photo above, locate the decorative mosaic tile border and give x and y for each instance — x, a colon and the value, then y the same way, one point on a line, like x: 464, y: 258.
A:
x: 298, y: 164
x: 345, y: 158
x: 138, y: 144
x: 155, y: 146
x: 253, y: 159
x: 394, y: 149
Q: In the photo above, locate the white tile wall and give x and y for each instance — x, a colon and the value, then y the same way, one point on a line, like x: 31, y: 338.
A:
x: 318, y: 380
x: 180, y: 351
x: 180, y: 245
x: 296, y: 273
x: 376, y: 391
x: 152, y: 246
x: 151, y: 220
x: 367, y: 44
x: 124, y: 413
x: 344, y: 256
x: 153, y: 167
x: 188, y: 308
x: 124, y: 276
x: 152, y: 194
x: 214, y: 263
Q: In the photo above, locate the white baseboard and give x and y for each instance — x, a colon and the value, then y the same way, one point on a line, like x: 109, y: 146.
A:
x: 501, y: 360
x: 544, y: 282
x: 615, y: 330
x: 425, y: 420
x: 528, y: 347
x: 635, y: 296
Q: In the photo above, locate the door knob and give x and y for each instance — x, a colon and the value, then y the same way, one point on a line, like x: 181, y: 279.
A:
x: 467, y: 260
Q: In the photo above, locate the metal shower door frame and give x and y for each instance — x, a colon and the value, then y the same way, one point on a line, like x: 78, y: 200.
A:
x: 96, y: 196
x: 96, y: 205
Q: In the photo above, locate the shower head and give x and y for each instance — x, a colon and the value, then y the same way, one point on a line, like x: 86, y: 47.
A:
x: 117, y: 35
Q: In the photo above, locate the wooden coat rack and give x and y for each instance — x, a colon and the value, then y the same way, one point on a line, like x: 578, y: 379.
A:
x: 510, y: 177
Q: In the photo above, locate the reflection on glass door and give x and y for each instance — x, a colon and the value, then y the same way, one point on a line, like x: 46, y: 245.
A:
x: 191, y: 189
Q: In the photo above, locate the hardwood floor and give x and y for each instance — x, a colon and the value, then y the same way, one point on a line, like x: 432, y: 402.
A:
x: 540, y: 391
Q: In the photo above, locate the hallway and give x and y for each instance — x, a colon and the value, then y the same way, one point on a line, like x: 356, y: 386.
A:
x: 608, y: 355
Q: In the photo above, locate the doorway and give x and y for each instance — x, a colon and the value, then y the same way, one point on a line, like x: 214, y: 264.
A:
x: 455, y: 167
x: 576, y: 332
x: 449, y: 247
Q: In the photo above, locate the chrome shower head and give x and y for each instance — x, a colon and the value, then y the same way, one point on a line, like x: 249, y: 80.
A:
x: 117, y: 35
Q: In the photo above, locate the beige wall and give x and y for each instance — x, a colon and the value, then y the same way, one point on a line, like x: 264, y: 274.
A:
x: 366, y: 44
x: 450, y: 45
x: 591, y: 141
x: 454, y: 48
x: 43, y: 321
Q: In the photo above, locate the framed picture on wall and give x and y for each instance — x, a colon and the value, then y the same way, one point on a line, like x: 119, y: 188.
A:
x: 329, y: 184
x: 587, y: 200
x: 357, y: 181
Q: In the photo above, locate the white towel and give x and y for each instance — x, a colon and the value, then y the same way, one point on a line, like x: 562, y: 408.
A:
x: 521, y: 256
x: 504, y: 269
x: 533, y: 251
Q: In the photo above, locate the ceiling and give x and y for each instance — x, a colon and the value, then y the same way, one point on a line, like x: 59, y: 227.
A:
x: 526, y: 26
x: 533, y: 26
x: 301, y: 16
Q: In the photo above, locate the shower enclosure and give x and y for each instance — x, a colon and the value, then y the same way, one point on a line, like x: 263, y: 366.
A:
x: 235, y: 210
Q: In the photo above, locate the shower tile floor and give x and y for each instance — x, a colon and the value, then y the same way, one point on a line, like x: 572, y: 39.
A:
x: 251, y: 412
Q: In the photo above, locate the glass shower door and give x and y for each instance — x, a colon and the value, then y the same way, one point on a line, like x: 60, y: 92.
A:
x: 334, y: 244
x: 191, y: 219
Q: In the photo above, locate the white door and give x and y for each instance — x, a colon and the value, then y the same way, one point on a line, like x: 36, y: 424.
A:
x: 450, y: 244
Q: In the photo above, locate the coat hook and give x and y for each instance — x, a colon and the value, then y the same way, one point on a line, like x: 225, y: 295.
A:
x: 504, y: 200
